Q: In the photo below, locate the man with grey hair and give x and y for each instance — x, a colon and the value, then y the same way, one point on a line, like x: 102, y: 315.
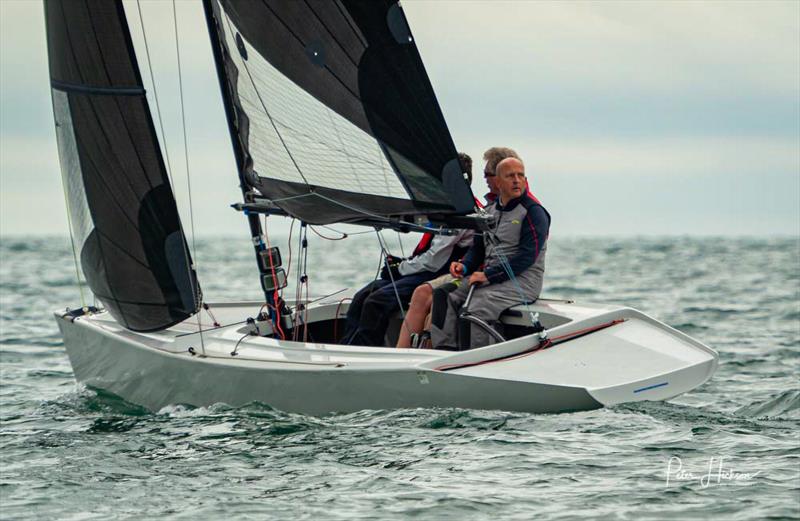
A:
x: 492, y: 156
x: 419, y: 310
x: 512, y: 254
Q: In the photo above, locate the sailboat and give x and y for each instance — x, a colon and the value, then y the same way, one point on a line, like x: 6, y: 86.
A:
x: 332, y: 119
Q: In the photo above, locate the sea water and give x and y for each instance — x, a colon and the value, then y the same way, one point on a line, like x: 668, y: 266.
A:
x: 728, y: 450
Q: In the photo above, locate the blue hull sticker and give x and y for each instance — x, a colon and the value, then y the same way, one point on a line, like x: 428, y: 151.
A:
x: 650, y: 387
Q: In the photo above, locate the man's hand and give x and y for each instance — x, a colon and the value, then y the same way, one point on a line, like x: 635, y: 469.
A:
x: 478, y: 277
x: 456, y: 269
x: 392, y: 260
x: 391, y: 268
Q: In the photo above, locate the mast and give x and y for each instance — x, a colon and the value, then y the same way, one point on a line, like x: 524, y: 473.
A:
x: 256, y: 231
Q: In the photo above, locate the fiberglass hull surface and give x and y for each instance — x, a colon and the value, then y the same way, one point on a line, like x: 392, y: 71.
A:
x: 602, y: 368
x: 156, y: 379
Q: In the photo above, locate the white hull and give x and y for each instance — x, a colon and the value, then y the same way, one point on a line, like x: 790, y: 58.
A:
x: 636, y: 358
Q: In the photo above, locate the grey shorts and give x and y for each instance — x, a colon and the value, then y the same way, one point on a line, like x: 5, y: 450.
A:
x: 441, y: 281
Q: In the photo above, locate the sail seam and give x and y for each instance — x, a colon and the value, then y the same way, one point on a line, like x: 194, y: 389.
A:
x: 300, y: 41
x: 122, y: 111
x: 349, y: 22
x: 333, y: 36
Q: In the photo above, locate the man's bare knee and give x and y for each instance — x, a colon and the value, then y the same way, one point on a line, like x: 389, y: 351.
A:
x: 421, y: 298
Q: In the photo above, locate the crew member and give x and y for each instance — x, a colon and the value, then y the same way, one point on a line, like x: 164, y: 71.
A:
x: 369, y: 312
x: 513, y: 253
x: 417, y: 319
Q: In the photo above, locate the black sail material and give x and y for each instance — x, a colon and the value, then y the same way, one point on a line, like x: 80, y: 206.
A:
x: 122, y: 210
x: 335, y: 115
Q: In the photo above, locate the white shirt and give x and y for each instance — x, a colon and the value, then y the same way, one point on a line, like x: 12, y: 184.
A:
x: 434, y: 258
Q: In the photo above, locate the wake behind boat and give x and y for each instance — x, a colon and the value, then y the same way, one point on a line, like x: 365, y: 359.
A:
x: 332, y: 120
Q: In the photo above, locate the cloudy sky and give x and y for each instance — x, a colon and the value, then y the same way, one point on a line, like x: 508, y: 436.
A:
x: 651, y: 118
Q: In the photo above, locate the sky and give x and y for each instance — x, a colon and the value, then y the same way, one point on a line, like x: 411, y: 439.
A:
x: 633, y: 118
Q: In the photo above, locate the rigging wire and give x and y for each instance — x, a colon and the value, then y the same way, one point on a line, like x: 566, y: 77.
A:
x: 166, y: 148
x: 506, y: 265
x: 391, y: 277
x: 349, y: 339
x: 186, y: 163
x: 155, y: 92
x: 183, y: 126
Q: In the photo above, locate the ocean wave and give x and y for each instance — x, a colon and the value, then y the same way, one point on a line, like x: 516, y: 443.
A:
x: 786, y: 404
x: 466, y: 419
x: 720, y: 310
x: 87, y: 401
x: 572, y: 290
x: 689, y: 327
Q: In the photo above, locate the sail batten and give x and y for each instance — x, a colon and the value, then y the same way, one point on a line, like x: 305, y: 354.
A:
x: 129, y: 239
x: 95, y: 89
x: 333, y: 96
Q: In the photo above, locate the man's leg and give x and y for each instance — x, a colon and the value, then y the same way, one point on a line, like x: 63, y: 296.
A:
x: 380, y: 305
x: 487, y: 304
x: 444, y: 335
x: 415, y: 316
x: 356, y: 306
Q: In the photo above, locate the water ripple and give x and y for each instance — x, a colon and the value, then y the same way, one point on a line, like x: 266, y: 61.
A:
x: 73, y: 452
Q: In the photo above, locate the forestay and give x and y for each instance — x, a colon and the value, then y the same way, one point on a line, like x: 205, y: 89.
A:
x: 125, y: 222
x: 332, y: 112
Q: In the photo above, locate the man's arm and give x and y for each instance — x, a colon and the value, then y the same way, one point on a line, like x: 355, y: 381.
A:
x: 535, y: 228
x: 475, y: 255
x: 434, y: 258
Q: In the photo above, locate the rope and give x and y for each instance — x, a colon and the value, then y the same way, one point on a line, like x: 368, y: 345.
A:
x: 289, y: 242
x: 276, y: 299
x: 336, y: 320
x: 236, y: 347
x: 344, y: 235
x: 304, y: 279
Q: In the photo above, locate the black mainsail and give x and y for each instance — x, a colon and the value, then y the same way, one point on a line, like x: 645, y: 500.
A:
x: 123, y: 214
x: 333, y: 115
